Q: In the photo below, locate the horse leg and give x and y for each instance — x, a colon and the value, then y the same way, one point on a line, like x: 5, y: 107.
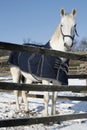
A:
x: 46, y: 98
x: 24, y: 95
x: 15, y: 72
x: 54, y: 98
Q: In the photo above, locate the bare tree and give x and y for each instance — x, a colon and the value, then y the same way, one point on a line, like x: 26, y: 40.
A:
x: 83, y: 45
x: 80, y: 45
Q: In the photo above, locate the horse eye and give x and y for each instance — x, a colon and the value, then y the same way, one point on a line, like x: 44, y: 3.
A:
x: 61, y: 25
x: 75, y: 26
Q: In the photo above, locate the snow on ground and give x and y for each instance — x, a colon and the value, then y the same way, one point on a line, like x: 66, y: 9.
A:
x: 36, y: 107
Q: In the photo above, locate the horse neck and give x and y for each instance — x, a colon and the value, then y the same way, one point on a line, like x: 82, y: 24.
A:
x: 56, y: 41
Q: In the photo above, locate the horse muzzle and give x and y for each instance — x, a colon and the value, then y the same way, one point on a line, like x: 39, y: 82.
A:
x: 67, y: 46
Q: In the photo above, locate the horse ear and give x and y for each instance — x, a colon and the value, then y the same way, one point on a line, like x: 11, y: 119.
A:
x: 62, y: 12
x: 74, y: 12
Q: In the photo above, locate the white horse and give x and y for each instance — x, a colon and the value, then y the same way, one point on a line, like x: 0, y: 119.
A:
x: 61, y: 40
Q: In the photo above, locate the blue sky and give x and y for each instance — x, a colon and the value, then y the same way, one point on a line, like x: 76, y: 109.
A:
x: 37, y: 19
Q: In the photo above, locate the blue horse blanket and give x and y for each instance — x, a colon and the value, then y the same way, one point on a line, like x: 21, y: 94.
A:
x: 44, y: 66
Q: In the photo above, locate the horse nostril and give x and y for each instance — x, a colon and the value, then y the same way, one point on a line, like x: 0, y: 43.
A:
x: 65, y: 44
x: 68, y: 47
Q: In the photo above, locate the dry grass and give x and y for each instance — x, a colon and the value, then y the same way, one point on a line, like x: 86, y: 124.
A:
x: 4, y: 71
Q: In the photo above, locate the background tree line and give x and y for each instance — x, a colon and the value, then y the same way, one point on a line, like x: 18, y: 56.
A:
x: 80, y: 45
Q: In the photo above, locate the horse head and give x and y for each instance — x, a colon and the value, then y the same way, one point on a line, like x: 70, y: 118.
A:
x: 68, y: 28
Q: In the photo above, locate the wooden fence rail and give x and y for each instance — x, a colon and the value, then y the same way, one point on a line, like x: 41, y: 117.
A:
x: 43, y: 51
x: 38, y: 120
x: 77, y: 76
x: 32, y: 87
x: 59, y: 97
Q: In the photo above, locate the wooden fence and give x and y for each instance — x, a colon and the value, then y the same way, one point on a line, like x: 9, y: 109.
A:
x: 79, y: 69
x: 29, y: 87
x: 3, y: 59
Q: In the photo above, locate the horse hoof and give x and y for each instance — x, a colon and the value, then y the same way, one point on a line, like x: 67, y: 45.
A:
x: 27, y: 112
x: 17, y: 111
